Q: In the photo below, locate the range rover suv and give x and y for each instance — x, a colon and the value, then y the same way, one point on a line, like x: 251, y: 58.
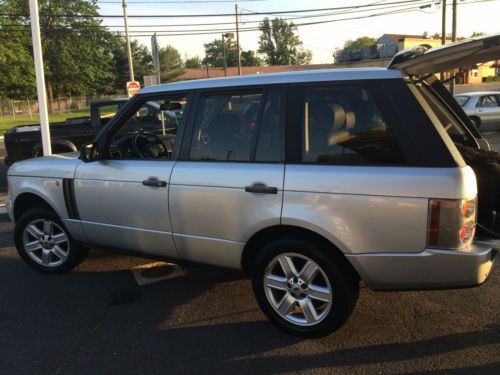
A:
x: 308, y: 182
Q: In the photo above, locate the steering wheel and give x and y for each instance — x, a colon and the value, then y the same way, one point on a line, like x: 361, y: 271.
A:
x: 148, y: 146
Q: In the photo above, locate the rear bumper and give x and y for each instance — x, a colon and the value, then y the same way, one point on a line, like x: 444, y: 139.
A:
x: 430, y: 269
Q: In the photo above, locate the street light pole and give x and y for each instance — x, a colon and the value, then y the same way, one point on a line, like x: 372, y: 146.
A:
x: 127, y: 35
x: 40, y: 78
x: 224, y: 54
x: 238, y: 38
x: 443, y: 29
x: 453, y: 39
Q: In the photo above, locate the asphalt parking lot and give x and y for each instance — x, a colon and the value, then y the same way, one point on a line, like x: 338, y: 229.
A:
x: 97, y: 319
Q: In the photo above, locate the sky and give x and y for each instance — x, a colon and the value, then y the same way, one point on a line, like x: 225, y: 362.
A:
x: 321, y: 39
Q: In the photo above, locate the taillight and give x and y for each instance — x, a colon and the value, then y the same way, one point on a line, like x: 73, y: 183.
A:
x: 452, y: 223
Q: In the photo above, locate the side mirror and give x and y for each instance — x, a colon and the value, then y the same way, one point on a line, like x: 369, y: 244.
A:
x: 88, y: 152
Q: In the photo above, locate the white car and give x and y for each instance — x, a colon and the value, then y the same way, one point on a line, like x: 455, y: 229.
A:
x: 483, y: 108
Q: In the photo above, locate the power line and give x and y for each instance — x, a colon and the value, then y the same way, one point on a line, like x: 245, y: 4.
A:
x: 249, y: 29
x: 212, y: 14
x: 178, y: 1
x: 291, y: 18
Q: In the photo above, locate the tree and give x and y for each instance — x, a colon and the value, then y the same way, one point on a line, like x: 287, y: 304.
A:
x: 193, y: 63
x: 170, y: 63
x: 141, y: 59
x: 250, y: 58
x: 17, y: 71
x: 345, y: 53
x: 363, y: 41
x: 215, y: 55
x: 74, y: 47
x: 280, y: 44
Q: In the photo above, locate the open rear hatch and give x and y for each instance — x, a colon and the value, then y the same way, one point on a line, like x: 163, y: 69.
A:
x: 420, y: 64
x: 424, y: 60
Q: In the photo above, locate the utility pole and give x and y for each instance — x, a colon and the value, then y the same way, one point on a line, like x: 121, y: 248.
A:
x: 206, y: 64
x: 453, y: 39
x: 443, y: 29
x: 40, y: 78
x: 129, y: 52
x: 238, y: 37
x: 224, y: 54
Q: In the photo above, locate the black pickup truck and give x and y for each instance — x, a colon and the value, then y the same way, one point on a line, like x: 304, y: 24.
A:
x: 25, y: 141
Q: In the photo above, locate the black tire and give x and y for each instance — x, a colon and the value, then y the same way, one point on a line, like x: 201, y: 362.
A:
x: 343, y: 281
x: 476, y: 121
x: 38, y: 216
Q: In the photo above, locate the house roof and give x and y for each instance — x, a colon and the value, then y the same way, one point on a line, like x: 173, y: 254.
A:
x: 396, y: 38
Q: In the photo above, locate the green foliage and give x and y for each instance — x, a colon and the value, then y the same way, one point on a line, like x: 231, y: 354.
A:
x: 81, y: 57
x: 193, y: 63
x: 250, y: 58
x: 280, y: 44
x: 364, y: 41
x: 170, y: 64
x: 215, y: 55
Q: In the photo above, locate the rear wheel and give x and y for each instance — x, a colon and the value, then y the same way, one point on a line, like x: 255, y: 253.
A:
x: 44, y: 243
x: 303, y: 289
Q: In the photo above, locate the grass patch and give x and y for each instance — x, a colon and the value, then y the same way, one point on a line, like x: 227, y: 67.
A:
x: 7, y: 122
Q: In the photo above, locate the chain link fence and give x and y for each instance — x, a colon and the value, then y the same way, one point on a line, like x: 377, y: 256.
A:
x: 29, y: 107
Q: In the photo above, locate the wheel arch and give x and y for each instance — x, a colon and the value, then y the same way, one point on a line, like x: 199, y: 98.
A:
x: 259, y: 239
x: 27, y: 200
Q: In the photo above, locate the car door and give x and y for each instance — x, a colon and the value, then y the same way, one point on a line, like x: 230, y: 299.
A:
x: 122, y: 199
x: 229, y: 184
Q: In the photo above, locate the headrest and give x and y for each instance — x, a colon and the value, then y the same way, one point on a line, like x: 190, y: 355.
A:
x: 350, y: 120
x: 338, y: 116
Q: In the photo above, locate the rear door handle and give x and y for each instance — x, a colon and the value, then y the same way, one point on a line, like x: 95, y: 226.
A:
x: 155, y: 182
x: 259, y: 187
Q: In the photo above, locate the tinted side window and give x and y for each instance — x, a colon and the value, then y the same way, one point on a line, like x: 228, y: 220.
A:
x: 344, y: 125
x: 225, y: 127
x: 270, y: 140
x: 487, y: 101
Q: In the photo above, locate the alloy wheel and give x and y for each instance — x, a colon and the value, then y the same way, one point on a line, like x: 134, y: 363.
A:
x: 46, y: 243
x: 298, y: 289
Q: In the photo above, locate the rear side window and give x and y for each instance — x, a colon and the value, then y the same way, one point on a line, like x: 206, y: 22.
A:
x: 344, y: 125
x: 462, y: 100
x: 487, y: 101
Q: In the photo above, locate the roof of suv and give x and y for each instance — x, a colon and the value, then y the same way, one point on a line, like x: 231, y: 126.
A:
x: 277, y: 78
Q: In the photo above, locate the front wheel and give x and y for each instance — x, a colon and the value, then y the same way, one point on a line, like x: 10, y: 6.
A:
x: 44, y: 243
x: 304, y: 289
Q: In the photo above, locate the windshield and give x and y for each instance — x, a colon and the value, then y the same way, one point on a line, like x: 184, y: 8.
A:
x: 462, y: 99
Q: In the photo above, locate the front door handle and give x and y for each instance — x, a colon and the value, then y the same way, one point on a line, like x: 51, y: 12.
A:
x: 155, y: 182
x: 259, y: 187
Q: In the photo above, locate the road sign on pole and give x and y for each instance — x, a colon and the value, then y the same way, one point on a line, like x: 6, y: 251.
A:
x: 155, y: 55
x: 40, y: 78
x: 132, y: 88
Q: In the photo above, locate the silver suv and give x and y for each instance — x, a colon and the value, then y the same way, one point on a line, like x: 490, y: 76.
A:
x: 308, y: 182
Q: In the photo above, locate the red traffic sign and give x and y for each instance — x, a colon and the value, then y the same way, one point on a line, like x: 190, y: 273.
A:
x: 132, y: 88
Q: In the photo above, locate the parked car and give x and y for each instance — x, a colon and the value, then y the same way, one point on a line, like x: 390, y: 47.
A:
x: 483, y: 108
x: 307, y: 181
x: 25, y: 141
